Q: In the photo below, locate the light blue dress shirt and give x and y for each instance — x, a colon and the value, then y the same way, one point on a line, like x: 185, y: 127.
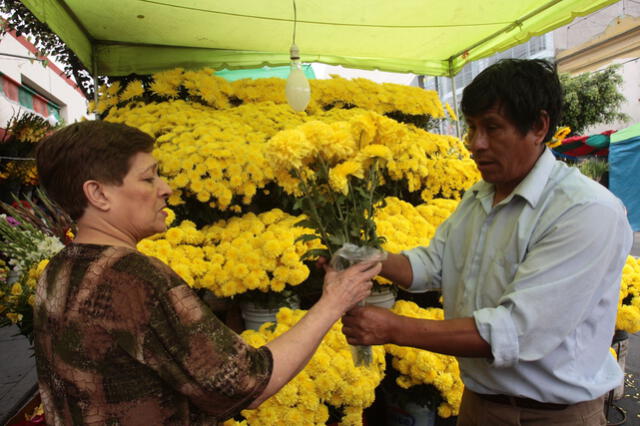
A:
x: 540, y: 274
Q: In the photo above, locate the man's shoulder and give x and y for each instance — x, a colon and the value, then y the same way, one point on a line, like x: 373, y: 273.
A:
x: 569, y: 186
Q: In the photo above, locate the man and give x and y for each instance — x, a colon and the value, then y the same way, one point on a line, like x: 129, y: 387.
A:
x: 529, y: 265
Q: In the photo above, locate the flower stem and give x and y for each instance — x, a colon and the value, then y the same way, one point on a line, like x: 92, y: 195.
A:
x: 314, y: 212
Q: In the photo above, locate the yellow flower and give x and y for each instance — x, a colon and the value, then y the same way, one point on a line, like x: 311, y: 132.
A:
x: 329, y: 377
x: 628, y: 318
x: 418, y: 366
x: 450, y: 111
x: 16, y: 289
x: 133, y: 90
x: 289, y: 149
x: 14, y: 317
x: 559, y: 137
x: 377, y: 151
x: 166, y: 83
x: 171, y: 216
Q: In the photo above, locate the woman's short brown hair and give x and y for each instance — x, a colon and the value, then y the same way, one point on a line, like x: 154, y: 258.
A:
x: 89, y: 150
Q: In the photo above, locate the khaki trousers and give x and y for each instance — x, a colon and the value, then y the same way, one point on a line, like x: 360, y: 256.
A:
x: 475, y: 411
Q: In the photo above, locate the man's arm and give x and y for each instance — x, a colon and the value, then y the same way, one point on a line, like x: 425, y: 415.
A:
x: 371, y: 325
x: 397, y: 269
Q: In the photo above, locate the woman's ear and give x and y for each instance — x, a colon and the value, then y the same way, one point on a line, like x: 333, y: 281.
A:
x: 96, y: 195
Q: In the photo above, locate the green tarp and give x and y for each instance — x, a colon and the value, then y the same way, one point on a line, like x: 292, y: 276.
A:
x: 628, y: 133
x: 264, y: 72
x: 435, y: 37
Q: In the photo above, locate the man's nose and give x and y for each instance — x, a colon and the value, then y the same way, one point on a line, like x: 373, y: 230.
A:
x: 478, y: 141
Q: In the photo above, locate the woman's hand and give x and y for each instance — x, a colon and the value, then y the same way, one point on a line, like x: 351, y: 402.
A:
x: 344, y: 289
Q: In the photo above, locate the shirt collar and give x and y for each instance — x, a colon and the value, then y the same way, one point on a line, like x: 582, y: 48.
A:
x: 531, y: 186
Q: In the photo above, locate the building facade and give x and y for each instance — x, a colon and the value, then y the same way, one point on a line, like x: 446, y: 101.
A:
x: 34, y: 85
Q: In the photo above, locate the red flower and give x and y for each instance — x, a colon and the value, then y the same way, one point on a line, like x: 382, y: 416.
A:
x: 24, y: 203
x: 35, y: 420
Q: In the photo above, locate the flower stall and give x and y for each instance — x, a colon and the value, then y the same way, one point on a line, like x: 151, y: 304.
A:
x: 259, y: 191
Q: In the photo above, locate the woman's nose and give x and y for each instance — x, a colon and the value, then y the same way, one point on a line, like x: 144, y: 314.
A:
x: 165, y: 189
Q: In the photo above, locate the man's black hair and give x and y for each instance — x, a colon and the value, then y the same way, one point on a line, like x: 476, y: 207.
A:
x: 522, y: 88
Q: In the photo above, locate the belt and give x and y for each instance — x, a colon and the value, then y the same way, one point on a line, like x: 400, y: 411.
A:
x: 520, y: 402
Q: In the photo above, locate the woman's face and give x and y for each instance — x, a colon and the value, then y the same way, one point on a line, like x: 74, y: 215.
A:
x: 137, y: 204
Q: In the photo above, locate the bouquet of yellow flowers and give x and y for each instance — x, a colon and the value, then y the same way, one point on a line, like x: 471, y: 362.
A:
x: 336, y: 172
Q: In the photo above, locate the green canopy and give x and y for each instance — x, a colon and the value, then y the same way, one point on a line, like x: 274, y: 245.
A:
x: 433, y: 37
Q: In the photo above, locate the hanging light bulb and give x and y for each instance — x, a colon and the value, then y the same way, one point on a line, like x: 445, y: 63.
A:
x: 298, y: 91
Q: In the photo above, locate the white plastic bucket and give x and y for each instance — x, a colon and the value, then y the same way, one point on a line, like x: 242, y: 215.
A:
x: 255, y: 316
x: 404, y: 413
x: 410, y: 415
x: 383, y: 298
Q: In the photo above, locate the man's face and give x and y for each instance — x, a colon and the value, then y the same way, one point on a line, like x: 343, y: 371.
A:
x: 503, y: 154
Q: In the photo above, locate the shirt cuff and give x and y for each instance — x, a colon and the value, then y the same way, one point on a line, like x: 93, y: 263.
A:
x: 419, y: 272
x: 496, y: 327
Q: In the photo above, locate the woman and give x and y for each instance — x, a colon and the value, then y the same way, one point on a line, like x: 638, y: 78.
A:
x: 119, y: 337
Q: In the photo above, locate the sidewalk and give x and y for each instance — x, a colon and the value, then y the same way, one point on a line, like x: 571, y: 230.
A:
x: 17, y: 372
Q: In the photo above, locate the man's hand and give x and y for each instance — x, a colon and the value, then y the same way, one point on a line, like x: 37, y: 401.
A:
x: 369, y: 325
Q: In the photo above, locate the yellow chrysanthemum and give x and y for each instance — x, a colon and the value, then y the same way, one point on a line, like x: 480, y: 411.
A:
x: 133, y: 90
x: 417, y: 366
x: 329, y: 377
x: 450, y: 111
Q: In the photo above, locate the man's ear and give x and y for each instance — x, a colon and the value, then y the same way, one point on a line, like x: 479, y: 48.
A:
x: 541, y: 127
x: 96, y: 195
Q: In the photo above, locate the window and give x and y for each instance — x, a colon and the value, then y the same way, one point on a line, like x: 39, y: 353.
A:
x: 28, y: 98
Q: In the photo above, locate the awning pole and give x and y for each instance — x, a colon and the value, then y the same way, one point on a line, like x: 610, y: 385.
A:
x: 94, y: 66
x: 455, y: 97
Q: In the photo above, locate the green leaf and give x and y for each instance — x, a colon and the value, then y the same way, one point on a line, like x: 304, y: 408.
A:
x: 307, y: 237
x: 315, y: 253
x: 306, y: 223
x: 336, y: 240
